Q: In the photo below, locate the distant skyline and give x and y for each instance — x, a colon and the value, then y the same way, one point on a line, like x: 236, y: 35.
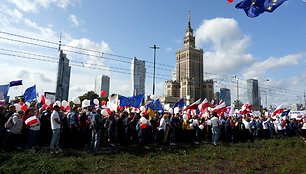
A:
x: 271, y: 46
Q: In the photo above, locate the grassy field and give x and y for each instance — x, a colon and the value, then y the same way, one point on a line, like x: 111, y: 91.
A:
x: 286, y: 155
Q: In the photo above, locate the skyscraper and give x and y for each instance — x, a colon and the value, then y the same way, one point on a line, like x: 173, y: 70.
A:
x: 189, y: 70
x: 253, y: 93
x: 102, y: 83
x: 63, y: 78
x: 138, y: 73
x: 225, y: 96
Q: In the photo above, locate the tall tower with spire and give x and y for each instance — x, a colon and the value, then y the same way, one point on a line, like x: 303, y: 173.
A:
x: 63, y: 76
x: 189, y: 80
x: 189, y: 67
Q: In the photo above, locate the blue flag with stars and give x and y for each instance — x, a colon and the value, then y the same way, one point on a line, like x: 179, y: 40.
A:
x: 179, y: 103
x: 254, y: 8
x: 155, y: 105
x: 30, y: 94
x: 134, y: 101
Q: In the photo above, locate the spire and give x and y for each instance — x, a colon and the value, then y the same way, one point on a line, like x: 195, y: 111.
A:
x: 189, y: 37
x: 189, y: 18
x: 60, y: 43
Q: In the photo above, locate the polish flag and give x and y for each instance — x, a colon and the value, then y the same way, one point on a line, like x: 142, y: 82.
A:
x: 278, y: 110
x: 43, y: 99
x: 246, y: 108
x: 212, y: 101
x: 219, y: 109
x: 229, y: 1
x: 203, y: 106
x: 193, y: 105
x: 31, y: 121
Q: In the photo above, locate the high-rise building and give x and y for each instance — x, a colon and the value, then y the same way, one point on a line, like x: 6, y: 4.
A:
x: 208, y: 89
x: 63, y: 77
x: 225, y: 96
x: 217, y: 97
x: 253, y: 93
x: 138, y: 73
x: 102, y: 83
x: 189, y: 71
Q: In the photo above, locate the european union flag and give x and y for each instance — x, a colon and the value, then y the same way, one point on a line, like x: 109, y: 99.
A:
x: 155, y: 105
x: 30, y: 94
x: 15, y: 83
x: 179, y: 103
x: 254, y: 8
x: 3, y: 91
x: 134, y: 101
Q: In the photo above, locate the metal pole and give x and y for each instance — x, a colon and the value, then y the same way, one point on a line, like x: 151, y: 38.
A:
x: 154, y: 62
x: 237, y: 92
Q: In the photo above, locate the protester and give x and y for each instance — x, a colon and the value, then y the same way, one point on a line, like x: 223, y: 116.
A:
x: 14, y: 126
x: 56, y: 128
x: 215, y: 123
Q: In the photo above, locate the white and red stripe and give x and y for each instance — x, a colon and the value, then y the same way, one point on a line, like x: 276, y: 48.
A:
x: 31, y: 121
x: 193, y: 105
x: 203, y: 106
x: 278, y: 110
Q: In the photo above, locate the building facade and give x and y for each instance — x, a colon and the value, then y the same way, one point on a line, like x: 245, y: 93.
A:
x: 253, y: 93
x: 63, y: 78
x: 138, y: 76
x: 189, y: 70
x: 225, y: 96
x: 102, y: 82
x: 208, y: 86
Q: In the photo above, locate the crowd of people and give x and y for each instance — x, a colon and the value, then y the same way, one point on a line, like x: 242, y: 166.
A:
x: 92, y: 128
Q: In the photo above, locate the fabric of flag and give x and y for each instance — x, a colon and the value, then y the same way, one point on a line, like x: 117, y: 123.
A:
x: 254, y: 8
x: 179, y: 103
x: 3, y: 91
x: 220, y: 109
x: 212, y: 102
x: 193, y: 105
x: 15, y: 83
x: 150, y: 112
x: 30, y: 94
x: 31, y: 121
x: 278, y: 110
x: 134, y: 101
x: 285, y: 113
x: 229, y: 1
x: 203, y: 106
x: 155, y: 105
x: 246, y: 108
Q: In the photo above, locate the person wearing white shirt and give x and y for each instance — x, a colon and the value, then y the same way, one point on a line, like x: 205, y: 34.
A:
x: 215, y: 128
x: 56, y: 129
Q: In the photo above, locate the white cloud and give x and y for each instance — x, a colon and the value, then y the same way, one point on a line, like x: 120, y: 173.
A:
x: 228, y: 45
x: 259, y: 68
x: 35, y: 5
x: 87, y: 44
x: 73, y: 20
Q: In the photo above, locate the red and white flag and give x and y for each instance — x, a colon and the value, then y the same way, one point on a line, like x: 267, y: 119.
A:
x: 219, y: 109
x: 246, y: 108
x: 278, y: 110
x: 203, y: 106
x: 31, y: 121
x: 229, y: 1
x: 212, y: 102
x: 193, y: 105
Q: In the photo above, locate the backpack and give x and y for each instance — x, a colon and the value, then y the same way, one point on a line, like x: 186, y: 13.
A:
x: 9, y: 123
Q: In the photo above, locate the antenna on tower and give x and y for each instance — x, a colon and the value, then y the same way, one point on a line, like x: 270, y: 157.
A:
x: 60, y: 43
x: 188, y: 17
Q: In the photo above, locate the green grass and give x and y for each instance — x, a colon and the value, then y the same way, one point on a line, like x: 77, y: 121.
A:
x: 286, y: 155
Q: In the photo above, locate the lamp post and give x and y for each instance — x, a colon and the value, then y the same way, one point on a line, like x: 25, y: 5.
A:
x: 154, y: 47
